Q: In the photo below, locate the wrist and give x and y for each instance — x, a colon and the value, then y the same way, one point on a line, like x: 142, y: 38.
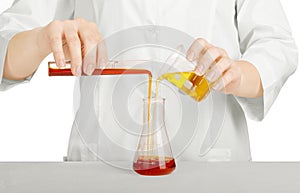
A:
x: 250, y: 82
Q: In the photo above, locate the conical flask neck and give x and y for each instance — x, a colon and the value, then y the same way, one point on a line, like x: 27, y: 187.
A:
x: 154, y: 154
x: 154, y: 113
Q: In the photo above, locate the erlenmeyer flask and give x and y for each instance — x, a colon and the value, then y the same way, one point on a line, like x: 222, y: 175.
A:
x: 154, y: 155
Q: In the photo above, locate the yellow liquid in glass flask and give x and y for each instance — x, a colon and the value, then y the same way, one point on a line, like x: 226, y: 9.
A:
x: 189, y: 82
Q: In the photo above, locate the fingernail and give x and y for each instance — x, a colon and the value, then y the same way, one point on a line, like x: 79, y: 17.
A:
x: 62, y: 63
x: 201, y: 70
x: 90, y: 69
x: 78, y: 71
x: 218, y: 86
x: 103, y: 62
x: 211, y: 76
x: 191, y: 56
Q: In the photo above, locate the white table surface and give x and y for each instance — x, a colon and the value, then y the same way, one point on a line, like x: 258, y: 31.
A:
x: 189, y: 177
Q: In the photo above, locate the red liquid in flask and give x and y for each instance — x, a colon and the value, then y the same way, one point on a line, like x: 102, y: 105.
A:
x: 154, y: 166
x: 144, y: 165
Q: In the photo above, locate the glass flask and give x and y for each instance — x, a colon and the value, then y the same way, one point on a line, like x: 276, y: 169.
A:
x: 181, y: 73
x: 190, y: 83
x: 154, y: 155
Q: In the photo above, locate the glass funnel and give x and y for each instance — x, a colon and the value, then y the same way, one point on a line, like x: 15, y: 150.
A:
x: 154, y: 155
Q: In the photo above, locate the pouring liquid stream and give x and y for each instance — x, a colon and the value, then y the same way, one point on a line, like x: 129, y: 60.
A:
x: 190, y: 83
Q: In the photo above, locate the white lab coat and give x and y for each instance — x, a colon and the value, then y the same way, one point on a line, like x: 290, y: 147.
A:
x: 252, y: 30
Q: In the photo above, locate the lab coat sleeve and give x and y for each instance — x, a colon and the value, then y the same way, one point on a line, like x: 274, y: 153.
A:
x: 266, y: 42
x: 25, y: 15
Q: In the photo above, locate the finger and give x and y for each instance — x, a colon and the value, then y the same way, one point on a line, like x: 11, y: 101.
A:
x: 232, y: 86
x: 228, y: 78
x: 210, y: 57
x: 217, y: 70
x: 74, y: 45
x: 96, y: 48
x: 90, y: 61
x: 219, y: 85
x: 102, y: 55
x: 89, y: 52
x: 55, y: 33
x: 198, y: 46
x: 88, y: 42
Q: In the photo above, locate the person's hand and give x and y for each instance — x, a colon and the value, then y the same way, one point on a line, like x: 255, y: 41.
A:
x: 72, y: 40
x: 219, y: 69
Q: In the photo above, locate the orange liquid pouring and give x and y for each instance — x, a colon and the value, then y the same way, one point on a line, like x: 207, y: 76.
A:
x: 149, y: 165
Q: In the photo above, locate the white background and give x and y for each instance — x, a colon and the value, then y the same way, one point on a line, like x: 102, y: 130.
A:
x: 36, y: 118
